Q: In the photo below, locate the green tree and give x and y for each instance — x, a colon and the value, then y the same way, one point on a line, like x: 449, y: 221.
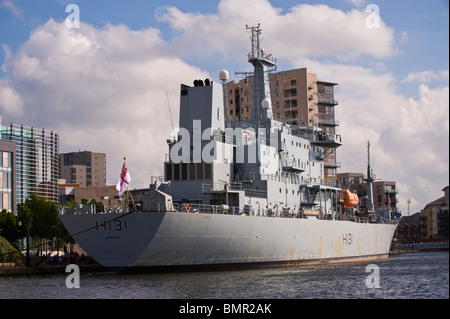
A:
x: 41, y: 216
x: 8, y: 253
x: 44, y: 216
x: 9, y: 228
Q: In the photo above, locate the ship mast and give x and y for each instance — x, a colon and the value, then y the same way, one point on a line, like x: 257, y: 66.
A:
x: 261, y: 88
x: 369, y: 180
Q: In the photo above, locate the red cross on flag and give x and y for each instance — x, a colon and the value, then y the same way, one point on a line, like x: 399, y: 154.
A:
x: 124, y: 180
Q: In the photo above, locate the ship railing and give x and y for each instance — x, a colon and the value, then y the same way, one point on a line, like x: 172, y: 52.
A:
x: 233, y: 186
x: 334, y: 138
x: 207, y: 209
x: 286, y: 177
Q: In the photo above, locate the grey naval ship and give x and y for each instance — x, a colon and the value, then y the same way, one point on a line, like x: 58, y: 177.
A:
x: 236, y: 194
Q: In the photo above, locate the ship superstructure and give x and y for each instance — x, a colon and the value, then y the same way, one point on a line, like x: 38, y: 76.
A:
x: 236, y: 194
x: 261, y: 166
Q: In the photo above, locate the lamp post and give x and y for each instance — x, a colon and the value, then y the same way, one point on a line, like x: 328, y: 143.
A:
x: 27, y: 257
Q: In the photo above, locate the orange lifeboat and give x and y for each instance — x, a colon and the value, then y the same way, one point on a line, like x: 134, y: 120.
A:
x: 350, y: 199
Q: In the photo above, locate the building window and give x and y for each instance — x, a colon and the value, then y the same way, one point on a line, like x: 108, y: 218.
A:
x: 6, y: 159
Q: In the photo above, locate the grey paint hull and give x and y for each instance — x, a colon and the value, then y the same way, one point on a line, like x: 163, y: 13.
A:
x: 173, y: 240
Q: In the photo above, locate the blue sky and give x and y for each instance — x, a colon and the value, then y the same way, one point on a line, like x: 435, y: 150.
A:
x: 393, y: 80
x: 426, y: 22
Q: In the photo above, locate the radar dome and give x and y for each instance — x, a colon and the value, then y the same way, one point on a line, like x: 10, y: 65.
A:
x: 223, y: 75
x: 266, y: 104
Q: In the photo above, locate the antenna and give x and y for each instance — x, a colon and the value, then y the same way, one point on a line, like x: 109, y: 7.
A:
x: 369, y: 180
x: 261, y: 62
x: 223, y: 76
x: 168, y: 104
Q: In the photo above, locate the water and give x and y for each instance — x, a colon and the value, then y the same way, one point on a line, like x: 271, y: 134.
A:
x: 419, y: 275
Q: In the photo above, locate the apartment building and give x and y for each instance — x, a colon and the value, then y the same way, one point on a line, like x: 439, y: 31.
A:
x: 298, y: 98
x: 32, y: 168
x: 7, y: 175
x: 434, y: 217
x: 84, y: 168
x: 384, y: 193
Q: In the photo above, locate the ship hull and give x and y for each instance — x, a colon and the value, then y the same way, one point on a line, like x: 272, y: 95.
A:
x: 158, y: 241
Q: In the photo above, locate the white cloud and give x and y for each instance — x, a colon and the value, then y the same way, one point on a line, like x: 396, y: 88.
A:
x: 11, y: 102
x: 11, y: 7
x: 358, y: 3
x: 101, y: 90
x: 426, y: 76
x: 313, y: 30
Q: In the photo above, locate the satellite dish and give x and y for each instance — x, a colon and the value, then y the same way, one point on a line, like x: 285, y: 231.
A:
x: 223, y: 75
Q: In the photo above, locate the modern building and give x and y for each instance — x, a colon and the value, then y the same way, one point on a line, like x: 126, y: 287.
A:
x: 84, y: 168
x: 7, y: 176
x: 36, y: 162
x: 66, y: 191
x: 297, y: 98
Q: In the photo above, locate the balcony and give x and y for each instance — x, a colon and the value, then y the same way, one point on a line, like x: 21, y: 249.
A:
x: 291, y: 165
x: 328, y: 140
x: 389, y: 190
x: 332, y: 164
x: 328, y: 122
x: 323, y: 100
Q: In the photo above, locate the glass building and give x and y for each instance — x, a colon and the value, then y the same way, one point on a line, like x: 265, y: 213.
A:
x: 7, y: 175
x: 36, y: 161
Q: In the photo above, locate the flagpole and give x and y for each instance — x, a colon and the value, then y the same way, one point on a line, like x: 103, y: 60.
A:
x: 128, y: 192
x: 128, y: 206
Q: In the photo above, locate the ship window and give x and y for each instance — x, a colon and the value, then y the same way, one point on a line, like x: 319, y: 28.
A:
x: 280, y: 190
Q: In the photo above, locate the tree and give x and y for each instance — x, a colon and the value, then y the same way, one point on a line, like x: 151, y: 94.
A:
x: 8, y: 253
x: 8, y: 226
x: 44, y: 216
x: 41, y: 216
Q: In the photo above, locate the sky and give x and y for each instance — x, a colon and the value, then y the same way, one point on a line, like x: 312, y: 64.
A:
x: 111, y: 84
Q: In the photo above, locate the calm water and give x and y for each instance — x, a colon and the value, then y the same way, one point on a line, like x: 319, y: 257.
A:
x: 419, y: 275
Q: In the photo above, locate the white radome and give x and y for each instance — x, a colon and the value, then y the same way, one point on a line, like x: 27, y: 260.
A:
x: 266, y: 104
x: 223, y: 75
